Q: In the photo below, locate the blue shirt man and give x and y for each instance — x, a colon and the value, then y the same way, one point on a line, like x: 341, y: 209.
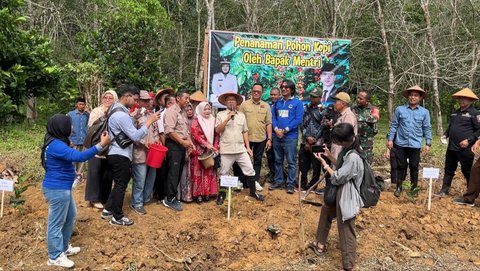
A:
x: 410, y: 124
x: 79, y: 118
x: 287, y: 115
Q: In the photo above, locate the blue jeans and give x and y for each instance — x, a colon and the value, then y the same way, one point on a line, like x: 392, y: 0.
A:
x: 285, y: 147
x: 61, y: 218
x: 143, y: 180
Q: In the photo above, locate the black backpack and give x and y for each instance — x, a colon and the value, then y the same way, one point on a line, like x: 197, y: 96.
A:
x: 371, y: 186
x: 95, y: 131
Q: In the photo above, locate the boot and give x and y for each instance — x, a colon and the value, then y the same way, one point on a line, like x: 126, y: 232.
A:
x: 221, y: 197
x: 447, y: 182
x: 398, y: 191
x: 253, y: 190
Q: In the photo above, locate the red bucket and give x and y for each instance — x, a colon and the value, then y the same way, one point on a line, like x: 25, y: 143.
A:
x: 156, y: 155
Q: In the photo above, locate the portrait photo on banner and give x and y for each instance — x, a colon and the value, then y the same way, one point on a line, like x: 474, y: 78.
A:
x: 238, y: 60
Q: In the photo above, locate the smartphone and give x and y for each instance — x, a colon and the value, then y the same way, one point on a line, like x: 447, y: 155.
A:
x: 318, y: 148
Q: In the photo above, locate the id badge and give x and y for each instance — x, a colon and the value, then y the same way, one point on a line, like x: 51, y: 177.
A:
x: 283, y: 113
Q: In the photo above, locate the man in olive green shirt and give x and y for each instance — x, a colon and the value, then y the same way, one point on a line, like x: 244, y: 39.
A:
x: 259, y: 122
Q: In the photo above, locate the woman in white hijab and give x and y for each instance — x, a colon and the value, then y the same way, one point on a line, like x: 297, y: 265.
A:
x: 99, y: 182
x: 204, y: 180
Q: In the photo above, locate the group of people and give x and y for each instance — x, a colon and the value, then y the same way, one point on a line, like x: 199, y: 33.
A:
x: 334, y: 137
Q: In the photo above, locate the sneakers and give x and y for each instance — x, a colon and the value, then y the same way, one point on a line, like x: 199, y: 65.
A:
x: 258, y: 187
x: 71, y: 250
x: 61, y: 261
x: 139, y: 210
x: 442, y: 193
x: 124, y: 221
x: 106, y: 214
x: 462, y: 201
x: 173, y: 204
x: 275, y: 186
x: 290, y: 190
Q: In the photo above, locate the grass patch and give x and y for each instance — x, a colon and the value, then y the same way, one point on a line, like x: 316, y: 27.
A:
x: 20, y: 149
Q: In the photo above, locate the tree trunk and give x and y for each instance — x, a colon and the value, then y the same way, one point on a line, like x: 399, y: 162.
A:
x: 386, y: 46
x: 210, y: 26
x: 198, y: 81
x: 32, y: 101
x: 436, y: 97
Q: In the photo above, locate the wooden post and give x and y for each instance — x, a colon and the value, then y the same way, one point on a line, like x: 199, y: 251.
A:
x: 1, y: 210
x: 429, y: 206
x: 229, y: 201
x: 205, y: 63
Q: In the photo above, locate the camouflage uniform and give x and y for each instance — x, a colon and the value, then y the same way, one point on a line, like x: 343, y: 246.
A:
x: 367, y: 128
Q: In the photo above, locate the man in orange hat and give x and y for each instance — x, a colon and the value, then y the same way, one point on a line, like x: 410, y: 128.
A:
x: 410, y: 123
x: 462, y: 132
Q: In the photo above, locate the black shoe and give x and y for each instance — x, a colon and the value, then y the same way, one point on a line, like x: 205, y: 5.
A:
x: 199, y: 200
x: 462, y: 201
x: 290, y: 190
x: 258, y: 197
x: 220, y: 199
x: 206, y: 198
x: 397, y: 192
x: 275, y: 186
x: 320, y: 191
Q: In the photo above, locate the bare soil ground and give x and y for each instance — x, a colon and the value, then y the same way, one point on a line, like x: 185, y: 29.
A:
x: 395, y: 235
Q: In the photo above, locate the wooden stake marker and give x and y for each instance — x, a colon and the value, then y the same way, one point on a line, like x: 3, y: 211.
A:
x: 431, y: 174
x: 229, y: 181
x: 5, y: 185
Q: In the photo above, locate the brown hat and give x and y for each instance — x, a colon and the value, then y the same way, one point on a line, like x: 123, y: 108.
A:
x: 342, y: 96
x: 163, y: 91
x: 467, y: 93
x: 198, y: 96
x: 416, y: 88
x: 223, y: 97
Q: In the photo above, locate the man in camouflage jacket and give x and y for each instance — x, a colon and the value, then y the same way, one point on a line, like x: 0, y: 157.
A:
x: 367, y: 118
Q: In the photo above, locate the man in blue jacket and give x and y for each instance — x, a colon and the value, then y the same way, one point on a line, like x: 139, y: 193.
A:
x: 287, y: 116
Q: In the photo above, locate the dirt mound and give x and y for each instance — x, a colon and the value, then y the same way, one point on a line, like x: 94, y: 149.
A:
x: 396, y: 235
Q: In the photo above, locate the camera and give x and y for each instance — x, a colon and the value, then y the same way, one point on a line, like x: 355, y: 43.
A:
x: 318, y: 148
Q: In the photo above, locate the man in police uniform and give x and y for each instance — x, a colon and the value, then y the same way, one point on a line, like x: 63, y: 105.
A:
x: 462, y: 132
x: 367, y: 118
x: 223, y: 82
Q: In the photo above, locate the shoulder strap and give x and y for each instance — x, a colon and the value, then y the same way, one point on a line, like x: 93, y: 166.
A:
x: 115, y: 110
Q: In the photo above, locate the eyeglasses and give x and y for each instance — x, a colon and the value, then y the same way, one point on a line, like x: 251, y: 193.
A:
x: 107, y: 98
x: 282, y: 87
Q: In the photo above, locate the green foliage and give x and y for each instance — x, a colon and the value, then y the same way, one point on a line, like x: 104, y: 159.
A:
x: 26, y: 66
x: 126, y: 47
x: 411, y: 191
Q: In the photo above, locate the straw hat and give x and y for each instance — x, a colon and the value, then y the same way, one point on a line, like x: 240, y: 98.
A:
x: 342, y: 96
x: 416, y: 88
x: 223, y: 97
x: 198, y: 96
x: 163, y: 91
x: 467, y: 93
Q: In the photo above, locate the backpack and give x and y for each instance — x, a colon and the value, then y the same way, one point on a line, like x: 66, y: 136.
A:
x: 96, y: 130
x: 371, y: 186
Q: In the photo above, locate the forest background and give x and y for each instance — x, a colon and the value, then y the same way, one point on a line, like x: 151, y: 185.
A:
x: 54, y: 50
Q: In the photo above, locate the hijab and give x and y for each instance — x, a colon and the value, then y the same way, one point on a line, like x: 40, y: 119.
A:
x: 59, y: 127
x: 189, y: 119
x: 207, y: 124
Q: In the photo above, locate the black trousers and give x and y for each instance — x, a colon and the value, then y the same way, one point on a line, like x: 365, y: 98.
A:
x: 99, y: 181
x: 413, y: 156
x: 175, y: 162
x: 120, y: 168
x: 271, y: 161
x: 395, y: 173
x: 307, y: 161
x: 258, y: 148
x: 159, y: 188
x: 465, y: 157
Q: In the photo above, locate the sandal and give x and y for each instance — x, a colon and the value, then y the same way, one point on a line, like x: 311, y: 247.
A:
x: 318, y: 251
